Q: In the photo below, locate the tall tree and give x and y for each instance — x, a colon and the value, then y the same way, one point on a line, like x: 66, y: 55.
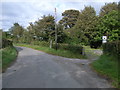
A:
x: 108, y: 8
x: 69, y: 18
x: 44, y: 26
x: 109, y: 25
x: 16, y: 30
x: 86, y: 24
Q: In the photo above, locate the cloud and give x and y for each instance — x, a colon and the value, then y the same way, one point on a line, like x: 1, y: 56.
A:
x: 25, y: 11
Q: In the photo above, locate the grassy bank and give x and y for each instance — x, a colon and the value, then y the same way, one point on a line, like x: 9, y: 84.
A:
x: 107, y: 66
x: 9, y: 54
x: 92, y: 53
x: 59, y: 52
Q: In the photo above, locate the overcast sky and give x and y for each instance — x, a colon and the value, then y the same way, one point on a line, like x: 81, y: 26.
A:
x: 26, y: 11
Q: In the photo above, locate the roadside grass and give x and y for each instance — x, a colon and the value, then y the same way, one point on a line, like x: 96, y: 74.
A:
x: 90, y: 52
x: 9, y: 54
x: 59, y: 52
x: 107, y: 66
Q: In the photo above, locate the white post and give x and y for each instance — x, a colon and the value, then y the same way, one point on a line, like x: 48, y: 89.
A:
x: 104, y: 39
x: 83, y: 51
x: 51, y: 43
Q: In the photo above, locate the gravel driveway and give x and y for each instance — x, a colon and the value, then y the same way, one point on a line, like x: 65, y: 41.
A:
x: 36, y: 69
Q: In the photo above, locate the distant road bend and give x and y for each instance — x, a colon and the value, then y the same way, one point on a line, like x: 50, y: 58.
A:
x: 36, y: 69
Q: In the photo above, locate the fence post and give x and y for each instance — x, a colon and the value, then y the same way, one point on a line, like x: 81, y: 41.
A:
x: 83, y: 51
x: 51, y: 43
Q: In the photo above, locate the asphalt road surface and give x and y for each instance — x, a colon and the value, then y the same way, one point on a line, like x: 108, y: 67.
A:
x: 36, y: 69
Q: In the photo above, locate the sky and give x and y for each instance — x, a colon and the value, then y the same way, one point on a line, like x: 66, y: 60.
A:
x: 26, y: 11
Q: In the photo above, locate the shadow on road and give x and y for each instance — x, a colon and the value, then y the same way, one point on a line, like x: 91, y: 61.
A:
x: 18, y: 49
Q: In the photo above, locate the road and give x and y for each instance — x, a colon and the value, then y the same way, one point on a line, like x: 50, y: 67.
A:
x: 36, y: 69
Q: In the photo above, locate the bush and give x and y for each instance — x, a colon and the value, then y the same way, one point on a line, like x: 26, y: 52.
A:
x: 8, y: 56
x: 112, y: 48
x: 6, y: 43
x: 69, y: 47
x: 95, y: 44
x: 41, y: 43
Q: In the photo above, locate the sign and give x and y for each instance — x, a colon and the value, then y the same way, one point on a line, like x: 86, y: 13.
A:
x: 104, y: 39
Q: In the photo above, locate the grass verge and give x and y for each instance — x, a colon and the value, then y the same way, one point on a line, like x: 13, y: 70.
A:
x: 92, y: 53
x: 107, y: 66
x: 64, y: 53
x: 9, y: 54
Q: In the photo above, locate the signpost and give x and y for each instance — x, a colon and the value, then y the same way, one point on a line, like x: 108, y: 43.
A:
x: 104, y: 39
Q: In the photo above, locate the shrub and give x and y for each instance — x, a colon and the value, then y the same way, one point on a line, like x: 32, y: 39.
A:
x: 112, y: 48
x: 70, y: 47
x: 41, y: 43
x: 95, y: 44
x: 6, y: 43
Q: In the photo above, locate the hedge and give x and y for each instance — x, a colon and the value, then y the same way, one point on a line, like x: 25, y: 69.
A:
x: 62, y: 46
x: 112, y: 48
x: 70, y: 47
x: 95, y: 44
x: 6, y: 43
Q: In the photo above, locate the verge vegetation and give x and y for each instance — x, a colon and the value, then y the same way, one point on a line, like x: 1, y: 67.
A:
x: 9, y: 54
x: 65, y: 52
x: 108, y: 63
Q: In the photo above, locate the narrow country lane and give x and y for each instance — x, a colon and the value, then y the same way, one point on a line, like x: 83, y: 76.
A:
x: 36, y: 69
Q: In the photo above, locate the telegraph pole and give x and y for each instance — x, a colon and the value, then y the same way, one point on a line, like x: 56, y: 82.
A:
x: 55, y: 29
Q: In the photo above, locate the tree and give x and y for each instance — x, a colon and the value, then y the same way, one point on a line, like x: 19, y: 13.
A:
x: 26, y: 38
x: 109, y: 25
x: 108, y: 8
x: 69, y: 18
x: 86, y: 24
x: 31, y: 31
x: 16, y: 31
x: 44, y: 26
x: 61, y: 35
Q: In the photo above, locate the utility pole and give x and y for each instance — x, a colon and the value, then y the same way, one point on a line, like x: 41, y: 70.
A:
x: 55, y: 29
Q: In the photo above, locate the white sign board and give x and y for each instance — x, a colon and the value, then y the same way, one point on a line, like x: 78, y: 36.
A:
x: 104, y: 39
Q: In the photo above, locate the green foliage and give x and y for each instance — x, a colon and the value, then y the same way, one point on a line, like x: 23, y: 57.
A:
x: 59, y: 52
x: 69, y: 18
x: 8, y: 56
x: 108, y: 66
x: 109, y: 25
x: 61, y: 46
x: 92, y: 53
x: 6, y: 43
x: 0, y: 38
x: 4, y: 35
x: 90, y: 28
x: 72, y: 48
x: 61, y: 36
x: 108, y: 8
x: 40, y: 43
x: 42, y: 28
x: 112, y: 48
x: 16, y: 31
x: 82, y: 28
x: 95, y: 44
x: 85, y: 25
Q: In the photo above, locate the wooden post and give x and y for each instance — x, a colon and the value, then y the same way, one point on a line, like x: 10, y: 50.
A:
x: 55, y: 30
